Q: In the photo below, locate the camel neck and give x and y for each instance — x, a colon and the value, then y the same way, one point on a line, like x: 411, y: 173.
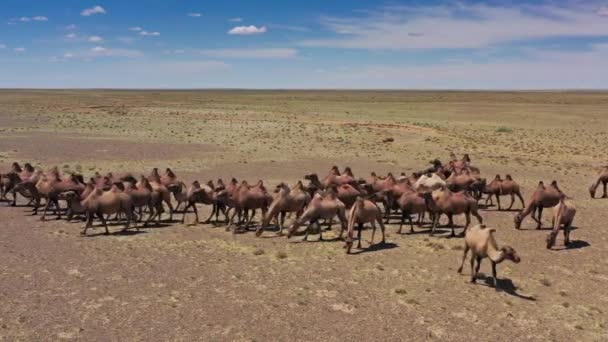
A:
x: 495, y: 254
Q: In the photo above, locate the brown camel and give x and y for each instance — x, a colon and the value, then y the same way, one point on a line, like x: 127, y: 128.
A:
x: 100, y: 203
x: 346, y: 192
x: 246, y: 198
x: 165, y: 194
x: 325, y: 207
x: 542, y: 197
x: 143, y: 196
x: 444, y: 201
x: 49, y: 188
x: 410, y: 203
x: 362, y: 212
x: 286, y: 201
x: 601, y: 179
x: 196, y: 193
x: 563, y: 215
x: 499, y: 187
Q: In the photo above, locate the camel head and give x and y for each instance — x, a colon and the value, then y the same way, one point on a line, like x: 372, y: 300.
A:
x: 312, y: 177
x: 517, y: 220
x: 510, y: 254
x: 436, y: 163
x: 593, y: 189
x: 16, y: 167
x: 233, y: 181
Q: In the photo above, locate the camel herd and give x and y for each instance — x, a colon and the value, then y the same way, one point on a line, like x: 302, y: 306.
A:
x: 455, y: 188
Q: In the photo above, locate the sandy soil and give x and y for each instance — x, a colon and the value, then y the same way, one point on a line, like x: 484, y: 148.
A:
x: 197, y: 282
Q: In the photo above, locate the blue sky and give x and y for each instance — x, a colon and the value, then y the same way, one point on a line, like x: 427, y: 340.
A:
x: 304, y: 44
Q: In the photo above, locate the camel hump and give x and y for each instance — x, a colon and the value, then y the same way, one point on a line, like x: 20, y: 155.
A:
x: 509, y: 177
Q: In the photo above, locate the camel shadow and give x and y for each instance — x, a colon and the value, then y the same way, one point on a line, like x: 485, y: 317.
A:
x: 503, y: 285
x: 375, y: 248
x: 129, y: 232
x: 574, y: 244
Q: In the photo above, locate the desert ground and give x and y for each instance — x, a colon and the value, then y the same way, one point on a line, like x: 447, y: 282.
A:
x: 199, y: 282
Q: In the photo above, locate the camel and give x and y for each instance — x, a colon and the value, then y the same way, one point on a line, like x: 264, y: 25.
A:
x: 541, y: 198
x: 563, y: 215
x: 286, y: 201
x: 331, y: 180
x: 362, y: 212
x: 483, y: 244
x: 325, y: 207
x: 603, y: 179
x: 247, y: 197
x: 100, y: 203
x: 346, y: 192
x: 444, y: 201
x: 143, y: 196
x: 49, y: 188
x: 165, y: 194
x: 196, y: 193
x: 410, y: 203
x: 499, y: 187
x: 74, y: 200
x: 429, y: 182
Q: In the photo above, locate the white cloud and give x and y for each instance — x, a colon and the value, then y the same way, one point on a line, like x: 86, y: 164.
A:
x: 68, y: 55
x: 24, y: 19
x: 235, y: 20
x: 603, y: 11
x: 100, y: 51
x: 70, y: 27
x: 19, y: 49
x: 2, y: 46
x: 194, y: 15
x: 146, y: 33
x: 93, y: 10
x: 70, y: 35
x: 135, y: 28
x: 95, y: 39
x: 40, y: 18
x: 268, y: 53
x: 458, y: 26
x: 247, y: 30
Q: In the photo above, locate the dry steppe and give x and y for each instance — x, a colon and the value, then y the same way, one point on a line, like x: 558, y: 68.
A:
x: 197, y: 282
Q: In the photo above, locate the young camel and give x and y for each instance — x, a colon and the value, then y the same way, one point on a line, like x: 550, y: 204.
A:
x: 362, y: 212
x: 541, y: 198
x: 100, y: 203
x: 601, y: 179
x: 321, y: 207
x: 286, y: 201
x: 499, y: 187
x: 444, y: 201
x: 483, y: 244
x: 563, y: 215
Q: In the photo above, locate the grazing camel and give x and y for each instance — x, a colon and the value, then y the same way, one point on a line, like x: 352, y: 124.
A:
x: 286, y: 201
x: 563, y: 215
x: 444, y: 201
x: 483, y: 244
x: 321, y: 207
x: 542, y: 197
x: 362, y: 212
x: 100, y: 203
x: 499, y: 187
x: 601, y: 179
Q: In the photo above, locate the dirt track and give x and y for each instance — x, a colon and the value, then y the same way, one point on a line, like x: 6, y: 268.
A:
x: 199, y: 282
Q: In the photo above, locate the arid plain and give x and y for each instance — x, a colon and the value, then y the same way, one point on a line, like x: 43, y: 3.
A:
x: 198, y: 282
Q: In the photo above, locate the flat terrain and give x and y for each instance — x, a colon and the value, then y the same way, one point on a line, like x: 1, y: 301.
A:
x: 198, y: 282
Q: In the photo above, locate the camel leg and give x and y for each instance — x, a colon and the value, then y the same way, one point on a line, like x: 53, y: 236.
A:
x: 382, y: 229
x: 540, y: 217
x: 46, y: 207
x: 195, y: 213
x: 103, y: 221
x: 435, y: 219
x: 473, y: 268
x: 477, y: 268
x: 373, y: 231
x: 494, y: 274
x: 214, y: 210
x: 451, y: 223
x: 498, y: 201
x: 231, y: 221
x: 129, y: 215
x: 402, y: 221
x: 605, y: 195
x: 521, y: 198
x: 409, y: 216
x: 186, y: 207
x: 359, y: 229
x: 464, y: 257
x: 567, y: 235
x: 467, y: 216
x: 512, y: 201
x: 88, y: 224
x: 282, y: 223
x: 489, y: 198
x: 321, y: 230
